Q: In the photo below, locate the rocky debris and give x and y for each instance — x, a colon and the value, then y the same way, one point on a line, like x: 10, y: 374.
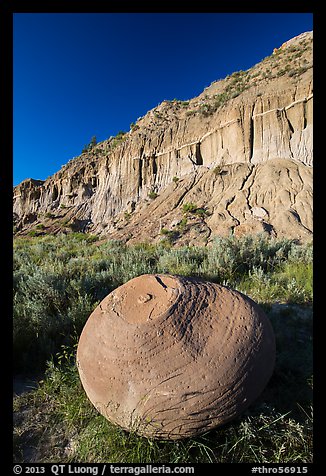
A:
x: 247, y: 119
x: 241, y: 199
x: 171, y: 357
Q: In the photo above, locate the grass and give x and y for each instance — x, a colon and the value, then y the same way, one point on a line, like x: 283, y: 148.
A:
x: 57, y: 283
x: 285, y: 61
x: 115, y: 141
x: 59, y: 280
x: 192, y: 208
x: 152, y: 195
x: 276, y: 428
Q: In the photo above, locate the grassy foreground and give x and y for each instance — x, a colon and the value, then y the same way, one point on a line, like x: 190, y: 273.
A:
x: 57, y: 283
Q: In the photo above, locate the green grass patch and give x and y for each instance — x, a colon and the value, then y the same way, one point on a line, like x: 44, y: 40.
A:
x: 59, y: 280
x: 194, y: 209
x: 276, y: 428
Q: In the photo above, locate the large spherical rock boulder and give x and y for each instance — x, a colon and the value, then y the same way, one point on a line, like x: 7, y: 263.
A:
x: 171, y: 357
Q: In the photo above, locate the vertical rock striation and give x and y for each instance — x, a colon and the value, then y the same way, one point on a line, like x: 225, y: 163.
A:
x: 251, y: 117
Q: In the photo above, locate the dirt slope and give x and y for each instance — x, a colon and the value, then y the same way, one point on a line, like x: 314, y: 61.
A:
x: 242, y: 150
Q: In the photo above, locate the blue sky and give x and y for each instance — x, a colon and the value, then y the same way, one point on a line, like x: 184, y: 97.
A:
x: 80, y: 75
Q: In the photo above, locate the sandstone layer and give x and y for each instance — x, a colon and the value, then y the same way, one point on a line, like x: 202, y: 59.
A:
x: 250, y: 125
x: 170, y: 357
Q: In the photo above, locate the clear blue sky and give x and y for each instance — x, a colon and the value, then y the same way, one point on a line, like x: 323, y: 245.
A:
x: 80, y: 75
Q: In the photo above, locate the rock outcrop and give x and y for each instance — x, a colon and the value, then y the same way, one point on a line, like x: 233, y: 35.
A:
x: 273, y: 197
x: 251, y: 125
x: 171, y: 357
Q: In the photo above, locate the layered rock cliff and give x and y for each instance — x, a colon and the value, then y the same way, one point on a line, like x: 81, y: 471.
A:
x: 237, y: 158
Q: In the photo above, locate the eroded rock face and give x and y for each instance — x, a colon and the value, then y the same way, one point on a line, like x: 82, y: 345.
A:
x: 171, y: 357
x: 251, y: 119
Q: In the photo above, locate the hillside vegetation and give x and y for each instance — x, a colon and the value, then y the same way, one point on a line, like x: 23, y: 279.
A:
x: 242, y: 150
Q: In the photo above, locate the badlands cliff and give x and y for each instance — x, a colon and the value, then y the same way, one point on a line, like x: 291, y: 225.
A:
x: 235, y: 159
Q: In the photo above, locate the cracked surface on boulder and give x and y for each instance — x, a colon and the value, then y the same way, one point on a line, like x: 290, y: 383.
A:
x: 172, y: 357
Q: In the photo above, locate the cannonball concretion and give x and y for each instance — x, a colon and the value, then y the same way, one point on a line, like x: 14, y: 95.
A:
x: 171, y: 357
